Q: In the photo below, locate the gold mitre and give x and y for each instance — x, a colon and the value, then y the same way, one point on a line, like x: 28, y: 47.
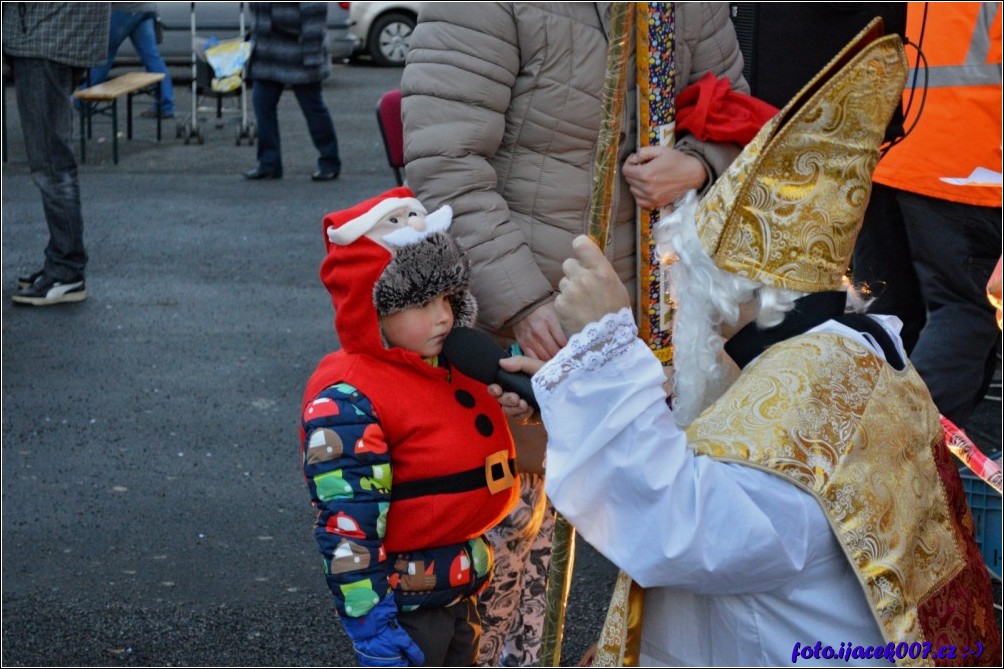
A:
x: 787, y: 211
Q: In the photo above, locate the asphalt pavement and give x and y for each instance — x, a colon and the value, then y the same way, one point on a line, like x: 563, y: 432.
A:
x: 154, y: 512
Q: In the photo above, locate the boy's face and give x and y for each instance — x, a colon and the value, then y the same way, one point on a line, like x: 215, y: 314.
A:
x: 420, y: 329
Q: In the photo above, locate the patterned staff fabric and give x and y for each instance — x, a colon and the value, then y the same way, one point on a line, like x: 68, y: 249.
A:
x: 604, y: 182
x: 656, y: 68
x: 620, y: 639
x: 612, y: 116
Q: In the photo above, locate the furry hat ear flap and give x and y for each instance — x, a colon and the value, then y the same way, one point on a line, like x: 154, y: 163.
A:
x: 420, y: 272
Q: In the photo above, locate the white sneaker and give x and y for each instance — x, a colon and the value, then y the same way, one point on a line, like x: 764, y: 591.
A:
x: 46, y: 291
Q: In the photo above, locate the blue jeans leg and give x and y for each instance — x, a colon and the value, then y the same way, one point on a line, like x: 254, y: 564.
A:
x: 265, y: 98
x: 120, y: 27
x: 139, y: 28
x: 43, y: 99
x: 144, y: 39
x: 320, y: 125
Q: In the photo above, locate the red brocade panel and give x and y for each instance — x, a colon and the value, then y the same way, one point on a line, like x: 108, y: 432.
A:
x: 960, y: 613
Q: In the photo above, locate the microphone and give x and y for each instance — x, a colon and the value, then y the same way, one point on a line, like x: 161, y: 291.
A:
x: 476, y: 354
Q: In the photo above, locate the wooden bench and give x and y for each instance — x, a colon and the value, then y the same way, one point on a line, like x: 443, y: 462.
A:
x: 103, y: 99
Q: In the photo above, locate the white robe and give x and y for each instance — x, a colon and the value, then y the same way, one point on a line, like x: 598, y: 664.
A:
x: 739, y: 564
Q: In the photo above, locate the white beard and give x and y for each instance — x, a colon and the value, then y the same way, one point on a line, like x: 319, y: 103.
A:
x: 697, y: 387
x: 702, y: 371
x: 437, y: 221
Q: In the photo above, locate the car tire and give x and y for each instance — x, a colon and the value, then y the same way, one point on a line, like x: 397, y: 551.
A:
x: 387, y: 42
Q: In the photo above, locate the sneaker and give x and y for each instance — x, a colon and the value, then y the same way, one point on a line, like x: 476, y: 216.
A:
x: 46, y: 291
x: 25, y: 281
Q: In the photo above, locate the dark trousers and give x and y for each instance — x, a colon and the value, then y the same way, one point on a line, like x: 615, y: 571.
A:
x: 265, y: 98
x: 447, y: 636
x: 928, y: 261
x: 43, y: 101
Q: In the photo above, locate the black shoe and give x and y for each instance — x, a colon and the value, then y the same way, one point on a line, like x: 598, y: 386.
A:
x: 25, y: 281
x: 321, y: 175
x: 46, y: 291
x: 153, y: 113
x: 258, y: 173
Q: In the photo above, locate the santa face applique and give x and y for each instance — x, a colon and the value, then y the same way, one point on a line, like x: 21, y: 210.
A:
x: 392, y: 221
x: 407, y: 219
x: 408, y: 225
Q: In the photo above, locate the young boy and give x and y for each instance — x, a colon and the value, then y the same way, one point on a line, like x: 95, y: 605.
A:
x: 408, y: 461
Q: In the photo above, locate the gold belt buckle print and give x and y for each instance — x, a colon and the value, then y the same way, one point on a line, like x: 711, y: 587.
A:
x: 498, y: 473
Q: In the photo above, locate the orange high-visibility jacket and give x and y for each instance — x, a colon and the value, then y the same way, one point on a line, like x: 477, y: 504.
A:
x: 960, y: 124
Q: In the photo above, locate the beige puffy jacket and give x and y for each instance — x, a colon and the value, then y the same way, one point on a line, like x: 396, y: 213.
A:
x: 501, y: 116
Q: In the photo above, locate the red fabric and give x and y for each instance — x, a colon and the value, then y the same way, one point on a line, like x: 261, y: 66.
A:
x: 711, y: 111
x: 350, y: 272
x: 960, y: 613
x: 389, y: 113
x: 437, y: 422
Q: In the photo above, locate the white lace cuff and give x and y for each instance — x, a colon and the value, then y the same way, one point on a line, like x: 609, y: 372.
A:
x: 598, y: 344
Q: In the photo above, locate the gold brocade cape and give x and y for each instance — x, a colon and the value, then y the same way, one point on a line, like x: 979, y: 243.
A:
x: 825, y: 413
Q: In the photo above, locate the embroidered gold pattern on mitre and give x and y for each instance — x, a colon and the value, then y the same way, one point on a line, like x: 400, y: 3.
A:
x: 821, y: 410
x: 787, y: 211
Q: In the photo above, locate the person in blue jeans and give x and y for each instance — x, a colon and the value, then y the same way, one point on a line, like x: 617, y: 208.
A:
x: 289, y: 51
x: 136, y: 20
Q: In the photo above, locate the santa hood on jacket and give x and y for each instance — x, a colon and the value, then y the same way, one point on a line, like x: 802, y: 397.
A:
x: 386, y: 254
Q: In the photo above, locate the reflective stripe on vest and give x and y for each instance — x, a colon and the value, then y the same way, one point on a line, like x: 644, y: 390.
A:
x: 976, y: 71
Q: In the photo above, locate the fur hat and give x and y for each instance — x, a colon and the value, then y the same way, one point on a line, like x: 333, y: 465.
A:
x: 419, y: 272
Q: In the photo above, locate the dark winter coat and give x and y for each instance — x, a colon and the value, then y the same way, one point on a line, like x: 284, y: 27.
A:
x: 289, y: 42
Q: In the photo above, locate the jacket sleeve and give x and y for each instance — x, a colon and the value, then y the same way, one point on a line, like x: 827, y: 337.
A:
x: 463, y: 62
x: 715, y: 48
x: 346, y: 465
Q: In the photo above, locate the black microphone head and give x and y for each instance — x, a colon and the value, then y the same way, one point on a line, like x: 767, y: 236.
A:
x: 474, y: 353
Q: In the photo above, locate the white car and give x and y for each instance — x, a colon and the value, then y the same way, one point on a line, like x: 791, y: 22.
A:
x: 383, y: 29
